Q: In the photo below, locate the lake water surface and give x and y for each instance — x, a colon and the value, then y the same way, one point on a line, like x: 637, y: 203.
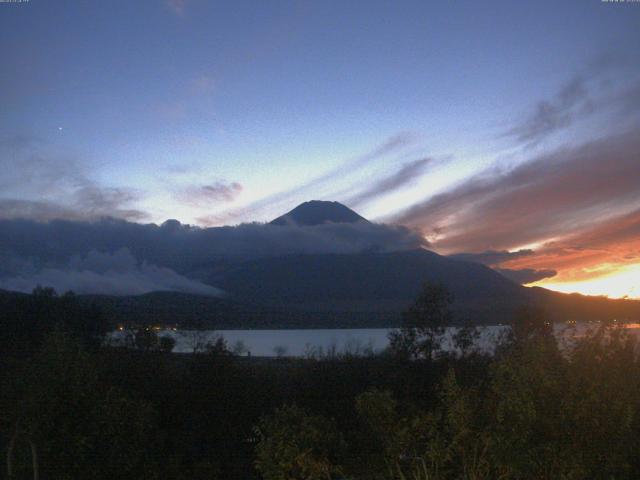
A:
x: 309, y: 342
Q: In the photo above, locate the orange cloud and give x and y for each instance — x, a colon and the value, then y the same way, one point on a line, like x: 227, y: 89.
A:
x: 601, y: 260
x: 579, y: 207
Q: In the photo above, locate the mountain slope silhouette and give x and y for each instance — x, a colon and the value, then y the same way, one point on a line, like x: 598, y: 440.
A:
x: 317, y: 212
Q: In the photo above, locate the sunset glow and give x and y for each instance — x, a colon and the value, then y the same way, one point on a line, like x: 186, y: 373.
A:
x: 624, y: 282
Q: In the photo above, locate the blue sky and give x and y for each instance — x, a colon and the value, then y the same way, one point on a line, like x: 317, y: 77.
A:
x: 223, y: 112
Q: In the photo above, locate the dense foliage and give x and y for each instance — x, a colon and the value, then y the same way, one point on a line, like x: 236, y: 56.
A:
x: 536, y: 409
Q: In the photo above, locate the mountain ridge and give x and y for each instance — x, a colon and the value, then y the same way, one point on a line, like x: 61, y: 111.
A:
x: 318, y: 212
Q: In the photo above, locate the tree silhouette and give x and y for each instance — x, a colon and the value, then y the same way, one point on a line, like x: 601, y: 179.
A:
x: 423, y: 323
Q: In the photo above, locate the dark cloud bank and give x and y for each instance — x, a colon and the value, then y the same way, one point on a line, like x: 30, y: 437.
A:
x: 118, y: 257
x: 493, y: 259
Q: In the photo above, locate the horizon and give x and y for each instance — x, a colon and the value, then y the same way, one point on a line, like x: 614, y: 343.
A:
x: 506, y: 133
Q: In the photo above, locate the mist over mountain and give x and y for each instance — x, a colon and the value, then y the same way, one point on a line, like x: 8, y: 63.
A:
x: 172, y: 256
x: 104, y: 273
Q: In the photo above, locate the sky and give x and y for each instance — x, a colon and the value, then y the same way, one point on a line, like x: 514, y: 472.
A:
x: 506, y: 131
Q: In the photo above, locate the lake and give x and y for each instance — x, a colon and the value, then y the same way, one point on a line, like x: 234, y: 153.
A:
x: 309, y: 342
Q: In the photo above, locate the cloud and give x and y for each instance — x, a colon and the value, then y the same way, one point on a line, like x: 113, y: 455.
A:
x: 41, y: 182
x: 96, y: 202
x: 547, y: 197
x: 188, y: 250
x: 392, y: 145
x: 110, y: 274
x: 30, y: 166
x: 281, y: 200
x: 11, y: 208
x: 596, y: 250
x: 618, y: 229
x: 605, y: 84
x: 492, y: 257
x: 553, y: 114
x: 409, y: 173
x: 593, y: 251
x: 206, y: 195
x: 526, y: 275
x: 84, y: 205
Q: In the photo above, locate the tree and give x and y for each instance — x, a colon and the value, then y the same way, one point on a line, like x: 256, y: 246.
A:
x: 423, y: 323
x: 166, y: 344
x: 465, y: 339
x: 531, y: 322
x: 280, y: 350
x: 218, y: 348
x: 26, y: 320
x: 75, y: 425
x: 146, y: 339
x: 240, y: 348
x: 197, y: 339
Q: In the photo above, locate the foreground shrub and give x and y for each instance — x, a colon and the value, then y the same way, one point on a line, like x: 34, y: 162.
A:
x: 296, y: 446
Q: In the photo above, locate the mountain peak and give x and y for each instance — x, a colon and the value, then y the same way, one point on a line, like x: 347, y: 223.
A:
x: 317, y: 212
